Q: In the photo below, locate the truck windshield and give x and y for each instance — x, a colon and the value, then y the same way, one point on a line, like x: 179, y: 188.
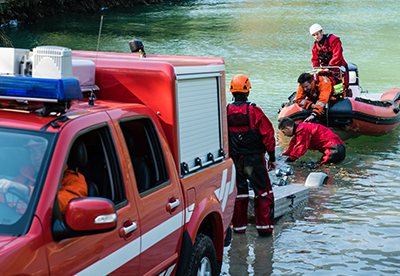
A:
x: 22, y: 155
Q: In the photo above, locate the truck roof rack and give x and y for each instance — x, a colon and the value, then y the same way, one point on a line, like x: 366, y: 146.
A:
x: 42, y: 79
x: 55, y: 94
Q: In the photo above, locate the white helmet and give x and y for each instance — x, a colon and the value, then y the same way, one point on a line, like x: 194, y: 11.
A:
x: 315, y: 28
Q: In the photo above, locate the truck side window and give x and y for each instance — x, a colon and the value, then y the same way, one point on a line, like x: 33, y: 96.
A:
x: 102, y: 169
x: 146, y: 154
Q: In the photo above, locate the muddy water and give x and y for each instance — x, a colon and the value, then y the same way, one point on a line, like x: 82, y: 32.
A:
x: 351, y: 224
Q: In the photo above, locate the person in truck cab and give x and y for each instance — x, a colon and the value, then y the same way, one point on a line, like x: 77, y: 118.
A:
x: 73, y: 183
x: 25, y: 181
x: 314, y: 137
x: 251, y: 134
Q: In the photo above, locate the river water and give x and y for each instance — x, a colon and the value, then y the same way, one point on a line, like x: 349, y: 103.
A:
x: 351, y: 225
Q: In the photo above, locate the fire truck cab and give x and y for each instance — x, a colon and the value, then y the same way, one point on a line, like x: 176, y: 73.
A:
x: 148, y: 136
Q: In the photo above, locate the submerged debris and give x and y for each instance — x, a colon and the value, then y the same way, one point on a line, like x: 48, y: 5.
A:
x: 352, y: 175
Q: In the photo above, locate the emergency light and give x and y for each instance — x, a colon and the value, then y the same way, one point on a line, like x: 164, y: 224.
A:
x: 39, y: 89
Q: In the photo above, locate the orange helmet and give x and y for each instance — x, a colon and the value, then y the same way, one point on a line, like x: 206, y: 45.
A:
x: 240, y: 83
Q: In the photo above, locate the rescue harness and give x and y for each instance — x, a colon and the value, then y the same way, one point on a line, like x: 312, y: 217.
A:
x: 247, y: 142
x: 338, y: 89
x: 324, y: 52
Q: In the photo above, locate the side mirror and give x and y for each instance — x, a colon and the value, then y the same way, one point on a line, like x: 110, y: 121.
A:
x: 86, y: 216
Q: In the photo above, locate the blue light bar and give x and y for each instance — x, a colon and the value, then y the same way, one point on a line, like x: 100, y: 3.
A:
x: 46, y: 90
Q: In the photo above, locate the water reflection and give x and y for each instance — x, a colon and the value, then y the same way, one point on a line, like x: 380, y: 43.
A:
x: 249, y: 254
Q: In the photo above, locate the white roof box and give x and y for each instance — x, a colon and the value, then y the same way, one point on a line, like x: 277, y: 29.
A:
x: 52, y: 62
x: 85, y: 71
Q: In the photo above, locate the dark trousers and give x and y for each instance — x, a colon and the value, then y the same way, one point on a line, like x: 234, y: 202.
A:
x: 334, y: 154
x: 252, y: 167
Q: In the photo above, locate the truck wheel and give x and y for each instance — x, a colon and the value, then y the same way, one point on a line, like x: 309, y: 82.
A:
x: 204, y: 259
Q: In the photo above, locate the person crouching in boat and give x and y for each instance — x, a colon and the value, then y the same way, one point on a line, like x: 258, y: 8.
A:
x: 316, y: 90
x: 314, y: 137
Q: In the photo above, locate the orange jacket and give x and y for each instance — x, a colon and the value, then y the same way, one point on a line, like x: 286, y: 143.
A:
x: 318, y: 95
x: 73, y: 185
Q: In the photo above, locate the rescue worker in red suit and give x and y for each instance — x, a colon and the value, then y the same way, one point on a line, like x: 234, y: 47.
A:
x: 315, y: 91
x: 251, y: 134
x: 327, y: 51
x: 314, y: 137
x: 73, y: 183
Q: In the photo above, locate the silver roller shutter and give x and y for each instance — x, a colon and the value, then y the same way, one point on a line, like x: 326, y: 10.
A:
x: 199, y: 121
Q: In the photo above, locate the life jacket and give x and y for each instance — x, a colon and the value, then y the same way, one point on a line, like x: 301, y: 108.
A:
x: 246, y: 142
x: 324, y: 52
x: 338, y: 90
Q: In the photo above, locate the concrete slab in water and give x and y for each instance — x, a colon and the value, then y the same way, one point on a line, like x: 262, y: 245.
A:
x: 286, y: 198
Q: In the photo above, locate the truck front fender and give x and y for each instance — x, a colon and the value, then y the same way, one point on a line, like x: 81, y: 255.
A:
x: 207, y: 219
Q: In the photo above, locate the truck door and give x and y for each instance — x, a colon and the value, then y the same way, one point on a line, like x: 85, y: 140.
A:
x: 115, y: 252
x: 158, y: 196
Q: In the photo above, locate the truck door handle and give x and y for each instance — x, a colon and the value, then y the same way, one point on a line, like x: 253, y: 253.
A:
x: 127, y: 229
x: 173, y: 204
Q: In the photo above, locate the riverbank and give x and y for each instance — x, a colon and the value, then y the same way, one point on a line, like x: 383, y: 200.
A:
x: 29, y: 11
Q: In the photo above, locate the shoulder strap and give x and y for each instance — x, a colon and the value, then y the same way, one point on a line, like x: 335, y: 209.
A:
x: 316, y: 80
x: 316, y: 75
x: 328, y: 36
x: 248, y: 116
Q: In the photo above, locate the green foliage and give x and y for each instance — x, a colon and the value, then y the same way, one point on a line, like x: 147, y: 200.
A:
x: 4, y: 41
x: 29, y: 11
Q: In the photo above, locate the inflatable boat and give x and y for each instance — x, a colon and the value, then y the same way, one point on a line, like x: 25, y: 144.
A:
x: 358, y: 114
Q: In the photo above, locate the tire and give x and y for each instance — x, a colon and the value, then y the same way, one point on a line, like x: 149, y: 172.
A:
x: 203, y: 261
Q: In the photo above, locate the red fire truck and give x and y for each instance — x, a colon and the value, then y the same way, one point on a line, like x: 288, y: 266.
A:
x: 149, y: 135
